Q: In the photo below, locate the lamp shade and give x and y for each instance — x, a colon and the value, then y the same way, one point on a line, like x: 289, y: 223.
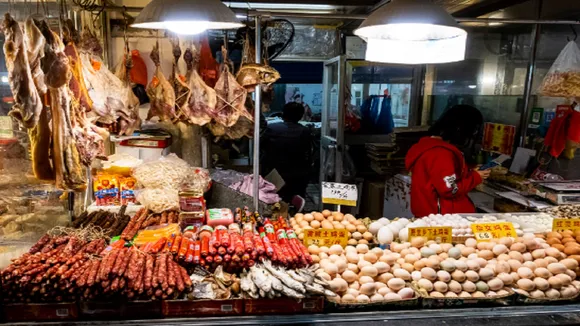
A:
x: 405, y: 26
x: 186, y: 16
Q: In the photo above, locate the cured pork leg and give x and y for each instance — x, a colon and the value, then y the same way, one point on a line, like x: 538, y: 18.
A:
x: 202, y: 100
x: 69, y: 174
x: 77, y: 81
x: 160, y: 92
x: 36, y: 43
x: 55, y: 63
x: 27, y: 102
x: 128, y: 114
x: 65, y: 155
x: 40, y: 138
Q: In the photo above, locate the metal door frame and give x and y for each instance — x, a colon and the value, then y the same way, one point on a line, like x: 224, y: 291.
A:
x: 325, y: 139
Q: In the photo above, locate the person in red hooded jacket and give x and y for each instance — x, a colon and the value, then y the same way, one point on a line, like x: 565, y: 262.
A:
x: 440, y: 177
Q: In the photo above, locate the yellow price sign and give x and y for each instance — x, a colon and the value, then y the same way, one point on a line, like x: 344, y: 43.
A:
x: 488, y: 231
x: 562, y: 224
x: 442, y: 234
x: 325, y: 237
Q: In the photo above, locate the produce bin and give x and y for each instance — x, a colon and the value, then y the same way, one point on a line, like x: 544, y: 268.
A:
x: 429, y: 302
x: 24, y: 312
x: 375, y: 306
x: 198, y: 308
x: 283, y: 306
x: 525, y: 300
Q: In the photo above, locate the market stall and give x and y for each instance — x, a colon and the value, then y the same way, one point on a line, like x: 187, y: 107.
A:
x: 103, y: 219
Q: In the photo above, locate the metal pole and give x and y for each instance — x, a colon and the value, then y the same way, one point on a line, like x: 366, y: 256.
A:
x: 529, y: 79
x: 257, y: 110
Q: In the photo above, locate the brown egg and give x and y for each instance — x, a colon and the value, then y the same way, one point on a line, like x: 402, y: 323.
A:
x: 318, y: 216
x: 326, y: 213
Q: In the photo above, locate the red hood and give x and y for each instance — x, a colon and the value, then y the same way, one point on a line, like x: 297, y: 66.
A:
x: 425, y: 144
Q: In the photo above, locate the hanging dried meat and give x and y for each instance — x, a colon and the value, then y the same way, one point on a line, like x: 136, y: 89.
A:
x: 27, y: 102
x: 102, y: 85
x: 160, y: 92
x: 77, y: 82
x: 40, y: 135
x: 208, y: 67
x: 202, y: 101
x: 89, y: 139
x: 182, y: 91
x: 230, y: 97
x: 128, y: 116
x: 252, y: 74
x: 36, y: 43
x: 65, y: 155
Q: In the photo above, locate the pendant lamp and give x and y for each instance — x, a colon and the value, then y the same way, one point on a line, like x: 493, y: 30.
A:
x: 186, y: 17
x: 412, y: 32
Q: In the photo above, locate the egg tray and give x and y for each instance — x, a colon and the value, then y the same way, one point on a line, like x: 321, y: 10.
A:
x: 432, y: 302
x: 373, y: 306
x: 525, y: 300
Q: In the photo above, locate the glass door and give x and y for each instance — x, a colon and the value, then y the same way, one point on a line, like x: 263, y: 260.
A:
x: 332, y: 132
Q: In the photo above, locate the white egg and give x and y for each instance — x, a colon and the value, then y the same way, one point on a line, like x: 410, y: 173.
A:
x: 384, y: 221
x: 385, y: 235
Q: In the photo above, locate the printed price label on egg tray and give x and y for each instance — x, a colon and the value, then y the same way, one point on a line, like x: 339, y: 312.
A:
x: 562, y: 224
x: 326, y: 237
x: 488, y: 231
x: 339, y: 194
x: 441, y: 234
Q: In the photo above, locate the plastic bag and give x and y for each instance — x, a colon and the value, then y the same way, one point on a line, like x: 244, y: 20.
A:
x: 167, y: 172
x: 158, y: 200
x: 563, y: 78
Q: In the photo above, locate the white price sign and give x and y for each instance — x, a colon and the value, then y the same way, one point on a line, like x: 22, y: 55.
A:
x: 339, y: 194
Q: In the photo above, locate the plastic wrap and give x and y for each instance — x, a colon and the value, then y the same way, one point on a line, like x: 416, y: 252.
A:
x: 563, y: 78
x: 200, y: 180
x: 312, y: 42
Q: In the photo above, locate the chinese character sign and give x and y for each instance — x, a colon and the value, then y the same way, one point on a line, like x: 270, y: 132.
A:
x: 441, y: 234
x: 561, y: 224
x: 339, y: 194
x: 488, y: 231
x: 325, y: 237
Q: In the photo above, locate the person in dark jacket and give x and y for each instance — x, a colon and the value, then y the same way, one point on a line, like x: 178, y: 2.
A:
x: 288, y: 149
x: 440, y: 178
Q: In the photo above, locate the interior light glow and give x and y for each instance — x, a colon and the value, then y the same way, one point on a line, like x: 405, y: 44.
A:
x: 187, y: 27
x: 4, y: 79
x: 295, y: 6
x: 472, y: 86
x: 416, y: 52
x: 488, y: 80
x: 410, y: 32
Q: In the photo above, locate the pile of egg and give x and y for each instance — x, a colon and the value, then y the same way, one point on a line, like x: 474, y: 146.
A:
x: 534, y: 223
x: 386, y: 231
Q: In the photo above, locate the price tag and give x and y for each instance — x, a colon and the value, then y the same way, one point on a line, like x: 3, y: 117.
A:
x: 441, y: 234
x: 488, y: 231
x: 6, y: 127
x: 325, y: 237
x: 339, y: 194
x: 562, y: 224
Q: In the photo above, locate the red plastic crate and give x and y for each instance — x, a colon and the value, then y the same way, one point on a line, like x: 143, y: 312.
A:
x: 283, y: 306
x: 15, y: 312
x: 188, y: 308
